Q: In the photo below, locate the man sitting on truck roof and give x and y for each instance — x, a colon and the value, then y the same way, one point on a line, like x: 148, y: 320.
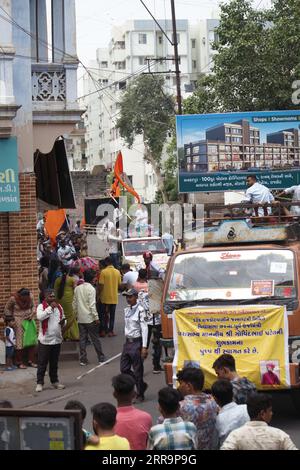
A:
x: 225, y: 369
x: 257, y: 193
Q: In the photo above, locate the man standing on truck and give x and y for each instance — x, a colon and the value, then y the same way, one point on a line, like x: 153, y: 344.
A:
x: 153, y: 270
x: 224, y: 367
x: 257, y: 193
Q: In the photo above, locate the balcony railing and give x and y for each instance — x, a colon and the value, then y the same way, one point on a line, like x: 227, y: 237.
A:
x: 48, y: 83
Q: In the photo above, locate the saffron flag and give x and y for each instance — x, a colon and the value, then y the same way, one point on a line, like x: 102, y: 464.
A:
x: 54, y: 222
x: 120, y: 180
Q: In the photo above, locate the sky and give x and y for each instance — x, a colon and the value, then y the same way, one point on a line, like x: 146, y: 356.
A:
x: 95, y: 18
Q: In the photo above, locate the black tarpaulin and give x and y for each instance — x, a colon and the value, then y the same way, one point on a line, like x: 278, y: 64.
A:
x: 53, y: 179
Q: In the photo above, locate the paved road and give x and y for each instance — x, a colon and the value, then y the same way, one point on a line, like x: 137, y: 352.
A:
x: 96, y: 387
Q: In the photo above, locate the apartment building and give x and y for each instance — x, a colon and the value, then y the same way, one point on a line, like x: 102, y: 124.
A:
x: 139, y: 46
x: 238, y: 146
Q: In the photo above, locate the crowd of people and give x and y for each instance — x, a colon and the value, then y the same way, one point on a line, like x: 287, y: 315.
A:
x: 78, y: 300
x: 233, y: 416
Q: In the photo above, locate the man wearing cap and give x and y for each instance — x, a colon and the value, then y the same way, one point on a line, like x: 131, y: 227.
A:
x: 135, y: 347
x: 270, y: 378
x: 153, y: 270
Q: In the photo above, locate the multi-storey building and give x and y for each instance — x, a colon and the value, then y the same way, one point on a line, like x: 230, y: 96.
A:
x: 237, y: 146
x: 38, y: 93
x: 136, y: 47
x: 76, y: 148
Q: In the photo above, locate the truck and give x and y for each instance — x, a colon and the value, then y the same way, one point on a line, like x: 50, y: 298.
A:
x: 236, y: 251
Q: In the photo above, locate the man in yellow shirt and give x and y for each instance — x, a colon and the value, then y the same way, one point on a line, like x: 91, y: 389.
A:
x: 109, y: 283
x: 104, y: 420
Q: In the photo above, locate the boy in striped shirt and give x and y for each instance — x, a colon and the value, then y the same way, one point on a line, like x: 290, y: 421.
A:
x: 173, y: 433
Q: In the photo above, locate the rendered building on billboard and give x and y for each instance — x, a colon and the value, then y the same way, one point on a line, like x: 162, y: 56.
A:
x: 237, y: 146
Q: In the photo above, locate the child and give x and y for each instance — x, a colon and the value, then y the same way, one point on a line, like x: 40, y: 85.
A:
x: 173, y: 433
x: 77, y: 405
x: 104, y: 420
x: 10, y: 343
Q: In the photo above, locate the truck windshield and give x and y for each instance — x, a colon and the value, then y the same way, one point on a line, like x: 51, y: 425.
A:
x: 233, y: 275
x: 138, y: 247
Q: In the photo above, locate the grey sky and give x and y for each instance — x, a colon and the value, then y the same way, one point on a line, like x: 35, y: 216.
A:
x: 95, y: 18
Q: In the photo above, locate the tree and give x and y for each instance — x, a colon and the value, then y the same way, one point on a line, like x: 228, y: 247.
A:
x: 170, y: 171
x: 257, y: 59
x: 145, y: 109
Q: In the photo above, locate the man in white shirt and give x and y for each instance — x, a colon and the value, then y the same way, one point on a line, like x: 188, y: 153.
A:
x: 257, y: 434
x: 257, y: 193
x: 295, y: 190
x: 231, y: 415
x: 135, y: 347
x: 129, y: 277
x: 84, y: 306
x: 65, y: 253
x: 52, y: 320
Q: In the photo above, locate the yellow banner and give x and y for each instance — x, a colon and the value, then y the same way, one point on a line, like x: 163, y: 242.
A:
x: 257, y: 337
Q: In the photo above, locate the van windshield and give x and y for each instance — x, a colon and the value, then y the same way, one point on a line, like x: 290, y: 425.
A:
x: 138, y: 247
x: 233, y: 275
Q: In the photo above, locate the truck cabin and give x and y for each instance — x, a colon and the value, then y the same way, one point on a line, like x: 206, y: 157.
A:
x: 237, y: 262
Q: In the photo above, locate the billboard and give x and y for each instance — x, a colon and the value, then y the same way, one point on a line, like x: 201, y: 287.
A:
x: 216, y: 152
x: 9, y: 176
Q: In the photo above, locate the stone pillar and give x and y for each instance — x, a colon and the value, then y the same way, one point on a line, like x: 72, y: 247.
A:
x: 6, y: 57
x: 70, y: 31
x: 23, y: 85
x: 58, y: 32
x: 38, y: 27
x: 70, y: 57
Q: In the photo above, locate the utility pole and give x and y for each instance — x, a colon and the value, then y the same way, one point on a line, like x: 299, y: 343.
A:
x: 176, y: 57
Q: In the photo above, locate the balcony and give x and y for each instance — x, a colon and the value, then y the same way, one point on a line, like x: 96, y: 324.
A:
x: 54, y: 93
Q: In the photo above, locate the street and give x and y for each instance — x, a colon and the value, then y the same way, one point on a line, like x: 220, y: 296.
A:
x: 95, y: 387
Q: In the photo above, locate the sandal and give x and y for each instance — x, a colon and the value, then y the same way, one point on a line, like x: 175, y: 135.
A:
x: 22, y: 366
x: 32, y: 364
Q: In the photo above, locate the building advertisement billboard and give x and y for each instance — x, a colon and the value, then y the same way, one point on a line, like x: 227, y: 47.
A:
x: 9, y: 176
x: 216, y: 152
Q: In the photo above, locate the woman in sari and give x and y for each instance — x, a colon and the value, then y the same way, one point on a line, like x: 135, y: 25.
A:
x: 64, y: 292
x: 21, y: 307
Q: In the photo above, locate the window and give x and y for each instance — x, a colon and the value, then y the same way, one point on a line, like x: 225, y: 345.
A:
x: 104, y: 65
x: 122, y: 85
x: 193, y: 43
x: 196, y: 149
x: 194, y: 62
x: 160, y: 39
x: 120, y: 65
x: 142, y: 61
x: 142, y: 38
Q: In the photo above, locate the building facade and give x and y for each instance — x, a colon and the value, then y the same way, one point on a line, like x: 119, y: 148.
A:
x: 238, y: 146
x: 38, y: 103
x: 139, y: 46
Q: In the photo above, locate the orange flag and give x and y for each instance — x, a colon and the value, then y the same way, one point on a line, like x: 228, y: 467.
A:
x: 54, y: 222
x: 119, y: 178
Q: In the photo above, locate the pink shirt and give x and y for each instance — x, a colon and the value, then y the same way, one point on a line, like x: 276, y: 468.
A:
x: 141, y: 286
x: 134, y: 424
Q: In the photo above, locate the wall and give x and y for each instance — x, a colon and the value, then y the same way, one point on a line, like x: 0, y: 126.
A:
x: 86, y: 185
x: 18, y: 245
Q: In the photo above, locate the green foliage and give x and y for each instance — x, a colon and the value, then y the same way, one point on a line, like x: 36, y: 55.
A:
x: 256, y: 62
x: 146, y: 110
